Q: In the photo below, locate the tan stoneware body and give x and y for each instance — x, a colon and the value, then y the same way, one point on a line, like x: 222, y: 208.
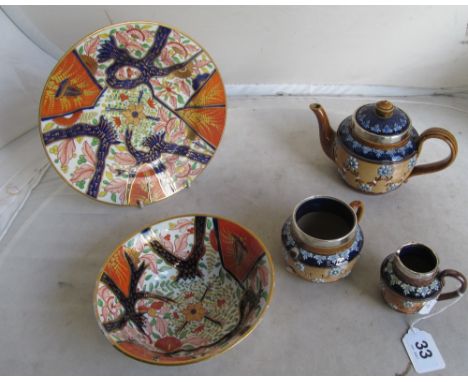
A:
x: 372, y: 160
x: 366, y: 178
x: 319, y: 260
x: 408, y: 290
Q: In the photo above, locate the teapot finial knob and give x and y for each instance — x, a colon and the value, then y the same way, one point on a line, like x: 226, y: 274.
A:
x: 384, y: 108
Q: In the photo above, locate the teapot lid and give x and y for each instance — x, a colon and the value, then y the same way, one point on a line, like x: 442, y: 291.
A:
x: 381, y: 122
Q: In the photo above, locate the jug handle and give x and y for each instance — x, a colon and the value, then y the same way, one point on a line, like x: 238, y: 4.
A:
x: 456, y: 275
x: 447, y: 137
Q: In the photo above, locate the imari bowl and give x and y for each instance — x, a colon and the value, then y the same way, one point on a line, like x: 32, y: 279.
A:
x: 184, y: 290
x: 132, y: 113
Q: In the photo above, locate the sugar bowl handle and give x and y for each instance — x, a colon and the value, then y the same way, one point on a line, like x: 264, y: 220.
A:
x: 456, y: 275
x: 447, y: 137
x: 358, y: 207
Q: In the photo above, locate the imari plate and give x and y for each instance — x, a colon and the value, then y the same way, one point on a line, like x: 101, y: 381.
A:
x: 184, y: 290
x: 133, y: 113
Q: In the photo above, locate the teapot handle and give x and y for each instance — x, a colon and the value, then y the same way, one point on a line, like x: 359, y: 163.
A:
x: 447, y: 137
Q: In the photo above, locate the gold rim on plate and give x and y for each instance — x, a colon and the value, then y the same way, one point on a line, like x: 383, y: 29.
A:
x: 172, y: 110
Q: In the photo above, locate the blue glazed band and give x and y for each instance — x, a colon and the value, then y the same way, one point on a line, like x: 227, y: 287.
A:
x: 404, y: 289
x: 359, y: 149
x: 370, y: 121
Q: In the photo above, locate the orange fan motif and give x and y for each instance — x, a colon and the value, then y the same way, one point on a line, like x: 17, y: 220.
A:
x: 239, y: 250
x: 71, y: 87
x: 206, y: 111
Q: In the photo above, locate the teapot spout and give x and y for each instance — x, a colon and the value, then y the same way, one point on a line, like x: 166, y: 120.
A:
x: 327, y: 134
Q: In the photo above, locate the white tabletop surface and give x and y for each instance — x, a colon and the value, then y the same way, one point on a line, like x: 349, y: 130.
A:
x: 269, y: 159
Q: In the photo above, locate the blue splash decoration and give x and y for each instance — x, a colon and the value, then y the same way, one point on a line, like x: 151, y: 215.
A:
x: 357, y: 148
x: 369, y: 120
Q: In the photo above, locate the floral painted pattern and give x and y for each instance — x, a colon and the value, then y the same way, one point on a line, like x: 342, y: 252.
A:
x: 385, y: 171
x: 392, y: 186
x: 335, y: 271
x: 408, y: 304
x: 405, y: 289
x: 352, y: 165
x: 371, y: 177
x: 115, y: 122
x: 412, y: 163
x: 173, y: 319
x: 366, y: 187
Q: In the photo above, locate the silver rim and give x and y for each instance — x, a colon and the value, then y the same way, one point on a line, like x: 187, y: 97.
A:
x: 413, y: 274
x: 376, y: 138
x: 323, y: 243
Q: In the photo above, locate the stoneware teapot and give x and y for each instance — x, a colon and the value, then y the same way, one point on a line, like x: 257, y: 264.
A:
x: 377, y: 147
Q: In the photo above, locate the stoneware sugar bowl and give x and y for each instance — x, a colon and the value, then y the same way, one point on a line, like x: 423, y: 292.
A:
x: 376, y: 148
x: 322, y: 238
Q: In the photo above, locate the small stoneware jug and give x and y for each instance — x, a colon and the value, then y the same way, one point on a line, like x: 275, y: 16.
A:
x: 376, y: 148
x: 322, y: 239
x: 410, y: 279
